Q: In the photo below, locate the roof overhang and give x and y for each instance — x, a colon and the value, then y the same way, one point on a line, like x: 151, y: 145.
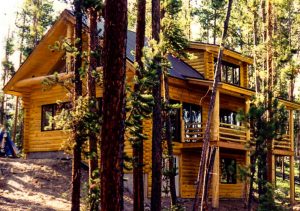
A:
x: 224, y: 88
x: 215, y: 49
x: 42, y: 58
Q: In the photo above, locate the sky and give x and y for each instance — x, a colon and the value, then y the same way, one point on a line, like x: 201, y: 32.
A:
x: 7, y: 21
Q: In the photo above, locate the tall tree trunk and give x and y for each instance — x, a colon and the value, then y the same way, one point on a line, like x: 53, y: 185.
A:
x: 255, y: 43
x: 156, y: 119
x: 138, y: 149
x: 171, y: 167
x: 113, y: 126
x: 270, y: 75
x: 215, y: 26
x: 203, y: 161
x: 76, y: 171
x: 253, y: 159
x: 91, y: 91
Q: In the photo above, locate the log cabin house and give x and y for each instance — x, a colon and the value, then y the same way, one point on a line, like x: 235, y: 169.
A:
x: 190, y: 82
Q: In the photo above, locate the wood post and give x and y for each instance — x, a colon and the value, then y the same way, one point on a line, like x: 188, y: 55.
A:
x: 247, y: 153
x: 216, y: 169
x: 216, y: 118
x: 182, y: 130
x: 216, y: 180
x: 271, y: 168
x: 292, y: 180
x: 292, y: 173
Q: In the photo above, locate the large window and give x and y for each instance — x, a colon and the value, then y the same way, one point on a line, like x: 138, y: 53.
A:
x: 230, y: 73
x: 49, y: 112
x: 228, y: 171
x: 175, y: 122
x: 229, y: 117
x: 192, y: 117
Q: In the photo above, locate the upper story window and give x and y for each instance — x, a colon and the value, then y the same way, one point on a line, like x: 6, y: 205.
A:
x: 229, y: 117
x: 230, y: 73
x: 175, y: 122
x: 192, y: 114
x: 192, y: 117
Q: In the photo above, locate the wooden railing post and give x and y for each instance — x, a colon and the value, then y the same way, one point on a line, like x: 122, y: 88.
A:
x: 182, y: 124
x: 292, y: 174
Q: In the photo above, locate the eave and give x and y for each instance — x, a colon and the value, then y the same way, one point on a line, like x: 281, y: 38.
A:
x: 28, y: 69
x: 215, y: 49
x: 224, y: 88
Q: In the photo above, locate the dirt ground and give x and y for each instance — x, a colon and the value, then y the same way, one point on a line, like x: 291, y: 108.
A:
x: 44, y: 185
x: 39, y: 184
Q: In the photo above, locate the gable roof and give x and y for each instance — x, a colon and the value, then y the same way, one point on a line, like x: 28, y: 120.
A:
x: 41, y: 60
x: 179, y: 69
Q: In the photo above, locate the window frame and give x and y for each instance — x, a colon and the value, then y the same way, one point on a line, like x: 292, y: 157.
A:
x: 234, y: 176
x: 55, y: 108
x: 176, y: 133
x: 43, y: 117
x: 225, y: 112
x: 232, y: 67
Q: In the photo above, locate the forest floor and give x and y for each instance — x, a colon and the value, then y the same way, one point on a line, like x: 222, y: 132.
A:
x: 44, y: 185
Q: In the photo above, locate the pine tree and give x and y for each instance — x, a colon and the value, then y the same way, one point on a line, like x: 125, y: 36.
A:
x: 204, y: 162
x: 138, y: 149
x: 8, y: 72
x: 157, y: 117
x: 94, y: 9
x: 32, y: 21
x: 78, y: 139
x: 113, y: 126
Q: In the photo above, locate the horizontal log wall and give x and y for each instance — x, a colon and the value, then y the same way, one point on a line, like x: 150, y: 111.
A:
x: 189, y: 170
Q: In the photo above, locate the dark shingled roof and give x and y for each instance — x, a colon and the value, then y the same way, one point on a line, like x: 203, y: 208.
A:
x: 179, y: 69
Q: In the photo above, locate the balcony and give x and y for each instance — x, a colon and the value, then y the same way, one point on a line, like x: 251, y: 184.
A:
x: 229, y: 135
x: 194, y: 133
x: 232, y: 133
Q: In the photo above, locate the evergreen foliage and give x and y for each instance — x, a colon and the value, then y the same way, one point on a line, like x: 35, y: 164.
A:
x: 32, y: 21
x: 264, y: 129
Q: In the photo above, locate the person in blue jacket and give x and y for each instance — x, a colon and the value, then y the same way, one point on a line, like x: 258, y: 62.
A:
x: 6, y: 144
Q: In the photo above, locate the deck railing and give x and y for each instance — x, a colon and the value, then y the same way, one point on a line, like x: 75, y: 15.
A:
x: 193, y: 132
x: 232, y: 133
x: 282, y: 143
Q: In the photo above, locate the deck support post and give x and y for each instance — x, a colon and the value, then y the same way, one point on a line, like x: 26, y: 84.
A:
x: 271, y: 168
x: 215, y: 137
x: 247, y: 153
x: 292, y: 169
x: 216, y: 118
x: 216, y: 180
x: 292, y: 180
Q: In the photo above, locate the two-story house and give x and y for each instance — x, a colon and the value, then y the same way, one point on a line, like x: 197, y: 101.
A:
x: 190, y: 84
